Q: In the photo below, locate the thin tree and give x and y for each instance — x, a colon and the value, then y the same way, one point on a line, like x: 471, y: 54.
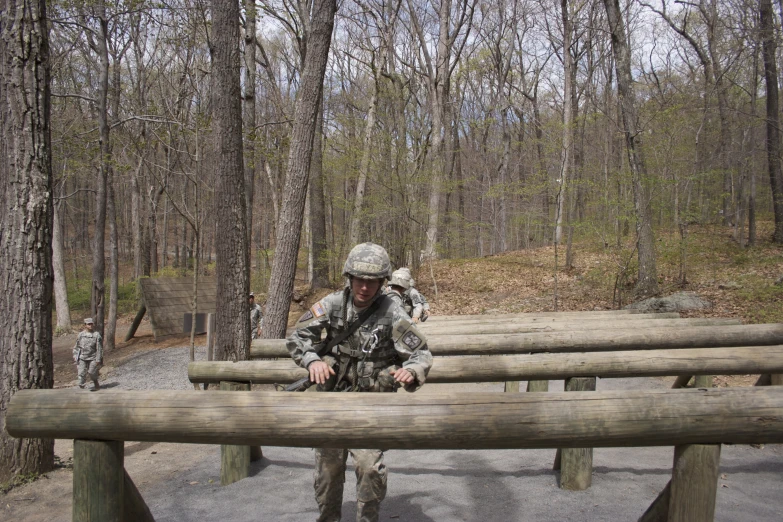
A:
x: 289, y: 228
x: 647, y: 283
x: 769, y: 49
x: 25, y: 224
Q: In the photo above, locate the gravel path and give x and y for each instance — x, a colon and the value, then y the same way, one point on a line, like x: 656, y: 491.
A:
x: 180, y: 482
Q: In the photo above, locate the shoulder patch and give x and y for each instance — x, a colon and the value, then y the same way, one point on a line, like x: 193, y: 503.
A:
x: 305, y: 316
x: 317, y: 309
x: 411, y: 340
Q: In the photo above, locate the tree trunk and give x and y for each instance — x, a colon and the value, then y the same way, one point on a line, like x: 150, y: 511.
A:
x: 25, y: 224
x: 232, y: 335
x: 317, y: 209
x: 773, y: 132
x: 60, y: 287
x: 289, y: 228
x: 249, y: 100
x: 364, y: 167
x: 111, y: 324
x: 647, y: 283
x: 97, y: 295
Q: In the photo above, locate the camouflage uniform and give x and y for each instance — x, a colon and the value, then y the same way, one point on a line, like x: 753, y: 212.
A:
x: 88, y: 354
x: 414, y: 303
x: 386, y: 341
x: 255, y: 320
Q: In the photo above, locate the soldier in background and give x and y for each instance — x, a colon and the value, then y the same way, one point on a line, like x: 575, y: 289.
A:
x: 371, y: 345
x: 88, y: 354
x: 401, y: 288
x: 256, y: 316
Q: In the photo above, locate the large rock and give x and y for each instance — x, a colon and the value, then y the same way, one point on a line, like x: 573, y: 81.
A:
x: 672, y: 303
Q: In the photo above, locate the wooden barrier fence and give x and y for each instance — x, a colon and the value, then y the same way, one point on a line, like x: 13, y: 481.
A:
x: 687, y: 419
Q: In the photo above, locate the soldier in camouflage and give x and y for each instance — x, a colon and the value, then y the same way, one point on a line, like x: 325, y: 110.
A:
x: 88, y: 354
x: 385, y: 352
x: 401, y: 289
x: 255, y: 317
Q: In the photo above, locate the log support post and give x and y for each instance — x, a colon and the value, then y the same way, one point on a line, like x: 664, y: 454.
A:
x: 98, y: 480
x: 134, y: 509
x: 537, y: 386
x: 136, y: 322
x: 576, y: 464
x: 702, y: 381
x: 776, y: 379
x: 681, y: 381
x: 235, y: 460
x: 694, y: 483
x: 511, y: 387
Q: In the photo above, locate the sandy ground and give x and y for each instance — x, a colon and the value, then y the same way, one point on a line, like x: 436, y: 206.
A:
x: 181, y: 482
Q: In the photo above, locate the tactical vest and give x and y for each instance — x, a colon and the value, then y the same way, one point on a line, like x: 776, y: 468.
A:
x: 364, y: 358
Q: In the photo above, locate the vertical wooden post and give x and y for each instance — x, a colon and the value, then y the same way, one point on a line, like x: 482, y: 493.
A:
x: 234, y: 460
x: 210, y: 341
x: 659, y: 509
x: 681, y: 381
x: 776, y: 379
x: 694, y: 483
x: 98, y: 480
x: 576, y: 464
x: 210, y: 335
x: 511, y: 387
x: 702, y: 381
x: 537, y: 386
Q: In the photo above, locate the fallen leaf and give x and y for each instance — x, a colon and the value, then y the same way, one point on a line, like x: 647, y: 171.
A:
x: 194, y: 483
x: 724, y: 476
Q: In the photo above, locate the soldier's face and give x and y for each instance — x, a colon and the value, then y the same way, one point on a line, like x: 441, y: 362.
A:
x: 364, y: 290
x: 89, y: 326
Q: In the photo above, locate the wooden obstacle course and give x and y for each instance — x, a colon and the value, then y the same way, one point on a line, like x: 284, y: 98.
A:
x: 455, y: 421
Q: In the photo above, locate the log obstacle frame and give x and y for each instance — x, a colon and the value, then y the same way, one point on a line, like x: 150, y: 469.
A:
x: 492, y: 421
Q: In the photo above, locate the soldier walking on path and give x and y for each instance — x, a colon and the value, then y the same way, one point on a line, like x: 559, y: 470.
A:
x: 371, y: 345
x: 256, y: 315
x: 88, y: 354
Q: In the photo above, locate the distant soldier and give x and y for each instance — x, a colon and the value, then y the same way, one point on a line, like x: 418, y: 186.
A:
x: 256, y: 315
x: 401, y: 289
x: 88, y: 354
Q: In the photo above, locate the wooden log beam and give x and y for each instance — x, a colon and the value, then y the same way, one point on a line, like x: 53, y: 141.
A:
x: 406, y: 420
x: 508, y: 328
x: 540, y: 366
x: 547, y: 319
x: 580, y: 340
x: 570, y: 315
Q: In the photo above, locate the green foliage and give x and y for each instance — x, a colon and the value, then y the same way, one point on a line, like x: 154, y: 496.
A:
x: 19, y: 480
x: 764, y: 300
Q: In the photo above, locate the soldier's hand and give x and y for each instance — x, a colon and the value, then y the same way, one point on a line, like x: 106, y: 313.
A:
x: 402, y: 375
x: 415, y: 319
x: 319, y: 372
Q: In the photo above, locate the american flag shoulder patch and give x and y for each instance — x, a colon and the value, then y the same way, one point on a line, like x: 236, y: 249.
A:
x: 317, y: 309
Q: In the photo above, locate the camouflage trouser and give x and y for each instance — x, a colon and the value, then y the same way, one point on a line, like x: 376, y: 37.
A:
x: 85, y: 368
x: 330, y: 479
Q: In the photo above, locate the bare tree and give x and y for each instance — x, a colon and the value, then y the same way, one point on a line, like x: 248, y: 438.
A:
x: 769, y: 43
x: 25, y: 224
x: 647, y: 283
x: 289, y: 228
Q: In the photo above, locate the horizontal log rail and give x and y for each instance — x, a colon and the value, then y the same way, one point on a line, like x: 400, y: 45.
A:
x: 403, y: 420
x: 580, y: 341
x: 544, y: 366
x: 437, y: 320
x: 563, y: 315
x: 552, y: 326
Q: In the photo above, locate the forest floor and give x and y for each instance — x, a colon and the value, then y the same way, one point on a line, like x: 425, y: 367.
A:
x: 741, y: 283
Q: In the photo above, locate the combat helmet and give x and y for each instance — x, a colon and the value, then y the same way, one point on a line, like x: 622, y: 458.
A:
x: 401, y: 277
x: 367, y: 261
